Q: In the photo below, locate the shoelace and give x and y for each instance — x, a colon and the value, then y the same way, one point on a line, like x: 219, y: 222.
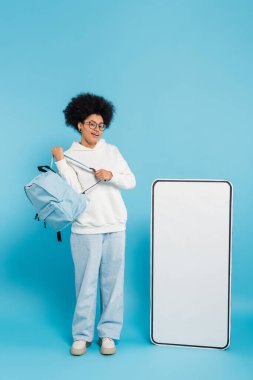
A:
x: 106, y: 338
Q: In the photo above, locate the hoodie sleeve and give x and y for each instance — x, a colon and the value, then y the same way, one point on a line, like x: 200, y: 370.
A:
x: 122, y: 176
x: 69, y: 174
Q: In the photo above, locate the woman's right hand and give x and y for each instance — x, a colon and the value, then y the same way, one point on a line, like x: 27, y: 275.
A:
x: 58, y: 152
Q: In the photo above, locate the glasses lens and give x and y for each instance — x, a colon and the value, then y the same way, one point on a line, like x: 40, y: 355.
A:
x: 92, y: 125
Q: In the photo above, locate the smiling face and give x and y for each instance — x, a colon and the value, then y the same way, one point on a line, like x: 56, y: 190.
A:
x: 90, y: 136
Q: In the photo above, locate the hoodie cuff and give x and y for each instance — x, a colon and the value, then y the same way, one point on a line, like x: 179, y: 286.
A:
x: 114, y: 178
x: 61, y: 165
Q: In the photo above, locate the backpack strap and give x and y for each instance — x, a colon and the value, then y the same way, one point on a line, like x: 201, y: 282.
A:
x: 91, y: 186
x: 80, y: 163
x: 42, y: 168
x: 84, y: 166
x: 59, y: 236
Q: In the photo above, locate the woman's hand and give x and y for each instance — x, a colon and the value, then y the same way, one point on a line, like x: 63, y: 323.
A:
x: 58, y: 152
x: 103, y: 174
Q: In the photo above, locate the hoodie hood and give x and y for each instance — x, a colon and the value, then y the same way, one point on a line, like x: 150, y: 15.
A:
x: 79, y: 147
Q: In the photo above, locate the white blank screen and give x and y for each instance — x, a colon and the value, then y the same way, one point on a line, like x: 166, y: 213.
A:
x: 190, y: 261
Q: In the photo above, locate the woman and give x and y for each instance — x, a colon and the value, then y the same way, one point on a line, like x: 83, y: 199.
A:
x: 97, y: 237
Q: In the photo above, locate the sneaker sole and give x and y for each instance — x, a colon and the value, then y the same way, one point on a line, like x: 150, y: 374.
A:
x: 107, y: 351
x: 77, y: 352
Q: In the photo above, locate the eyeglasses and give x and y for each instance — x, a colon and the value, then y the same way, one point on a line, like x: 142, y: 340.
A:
x: 92, y: 124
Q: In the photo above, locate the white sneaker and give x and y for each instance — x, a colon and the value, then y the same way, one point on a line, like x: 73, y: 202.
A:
x: 107, y: 346
x: 78, y: 347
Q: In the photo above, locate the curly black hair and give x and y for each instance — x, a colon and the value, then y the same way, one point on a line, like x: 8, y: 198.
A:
x: 86, y: 104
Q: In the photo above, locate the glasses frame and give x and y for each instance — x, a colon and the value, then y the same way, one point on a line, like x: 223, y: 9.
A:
x: 100, y: 126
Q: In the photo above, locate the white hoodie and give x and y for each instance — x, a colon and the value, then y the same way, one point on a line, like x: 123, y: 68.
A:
x: 105, y: 210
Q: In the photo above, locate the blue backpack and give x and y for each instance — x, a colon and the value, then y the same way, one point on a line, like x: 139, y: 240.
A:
x: 54, y: 200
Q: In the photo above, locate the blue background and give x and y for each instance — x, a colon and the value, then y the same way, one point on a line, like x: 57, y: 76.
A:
x: 180, y: 76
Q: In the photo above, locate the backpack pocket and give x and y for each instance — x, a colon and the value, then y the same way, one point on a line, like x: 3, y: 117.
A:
x: 47, y: 210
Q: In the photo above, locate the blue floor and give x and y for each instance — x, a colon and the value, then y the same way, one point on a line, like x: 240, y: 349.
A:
x: 36, y: 345
x: 37, y: 302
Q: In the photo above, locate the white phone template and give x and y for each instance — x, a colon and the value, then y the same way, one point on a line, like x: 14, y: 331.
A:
x: 190, y: 260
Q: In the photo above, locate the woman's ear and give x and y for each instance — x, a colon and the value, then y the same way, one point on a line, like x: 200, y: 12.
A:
x: 79, y: 126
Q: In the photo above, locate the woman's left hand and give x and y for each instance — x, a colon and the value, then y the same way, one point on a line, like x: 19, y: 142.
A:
x: 103, y: 174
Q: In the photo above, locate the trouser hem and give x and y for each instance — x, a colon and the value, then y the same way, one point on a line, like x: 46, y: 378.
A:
x: 82, y: 337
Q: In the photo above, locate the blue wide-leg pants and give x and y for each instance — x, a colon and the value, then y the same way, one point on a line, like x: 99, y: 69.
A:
x: 100, y: 255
